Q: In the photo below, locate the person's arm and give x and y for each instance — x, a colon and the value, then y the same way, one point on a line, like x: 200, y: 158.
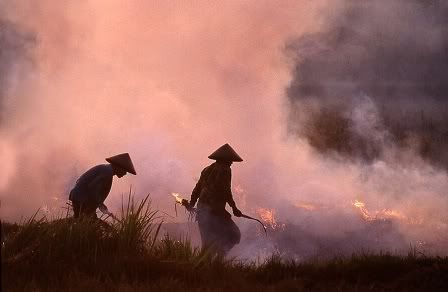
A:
x: 227, y: 180
x: 98, y: 189
x: 197, y: 191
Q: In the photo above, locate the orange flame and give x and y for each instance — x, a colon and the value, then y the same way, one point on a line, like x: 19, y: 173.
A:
x: 383, y: 214
x: 306, y: 206
x: 178, y: 197
x: 363, y: 210
x: 268, y: 217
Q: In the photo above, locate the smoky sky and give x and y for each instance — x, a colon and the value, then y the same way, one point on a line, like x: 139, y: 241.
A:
x: 167, y: 82
x: 14, y: 54
x: 393, y: 54
x: 170, y: 82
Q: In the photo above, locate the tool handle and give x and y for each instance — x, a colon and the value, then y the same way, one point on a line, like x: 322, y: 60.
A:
x: 252, y: 218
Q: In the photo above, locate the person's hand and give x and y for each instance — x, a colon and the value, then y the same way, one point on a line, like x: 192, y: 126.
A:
x: 104, y: 209
x: 237, y: 212
x: 187, y: 205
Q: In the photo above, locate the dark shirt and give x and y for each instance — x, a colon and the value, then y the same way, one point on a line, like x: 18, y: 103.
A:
x: 214, y: 188
x: 94, y: 185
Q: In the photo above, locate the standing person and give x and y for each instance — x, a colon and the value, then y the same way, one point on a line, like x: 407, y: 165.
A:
x: 213, y: 190
x: 92, y: 188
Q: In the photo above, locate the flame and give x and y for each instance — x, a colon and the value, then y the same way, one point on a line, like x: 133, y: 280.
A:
x: 363, y: 210
x: 178, y: 197
x: 384, y: 214
x: 359, y: 204
x: 393, y: 214
x: 306, y: 206
x: 268, y: 217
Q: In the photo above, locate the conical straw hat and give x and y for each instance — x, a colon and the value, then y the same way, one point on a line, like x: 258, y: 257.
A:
x: 122, y: 160
x: 225, y: 153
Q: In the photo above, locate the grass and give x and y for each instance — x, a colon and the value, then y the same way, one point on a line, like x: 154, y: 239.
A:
x: 129, y: 254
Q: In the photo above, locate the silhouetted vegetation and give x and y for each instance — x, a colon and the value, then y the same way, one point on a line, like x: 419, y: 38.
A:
x: 129, y: 255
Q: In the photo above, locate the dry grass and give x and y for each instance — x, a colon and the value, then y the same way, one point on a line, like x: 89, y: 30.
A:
x: 128, y: 255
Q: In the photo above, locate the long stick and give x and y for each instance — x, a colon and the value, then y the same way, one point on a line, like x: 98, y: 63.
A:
x: 252, y: 218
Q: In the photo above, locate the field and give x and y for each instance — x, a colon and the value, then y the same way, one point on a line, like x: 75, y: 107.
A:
x: 131, y: 255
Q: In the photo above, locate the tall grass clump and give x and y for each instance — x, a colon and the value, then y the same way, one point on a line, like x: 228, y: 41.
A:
x: 39, y: 248
x: 86, y: 239
x: 138, y: 227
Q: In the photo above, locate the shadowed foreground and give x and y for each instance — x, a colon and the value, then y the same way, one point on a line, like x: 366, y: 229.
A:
x: 73, y: 255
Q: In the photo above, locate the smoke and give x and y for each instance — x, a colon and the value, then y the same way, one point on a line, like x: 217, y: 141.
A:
x: 369, y: 91
x: 15, y: 63
x: 394, y: 56
x: 14, y: 60
x: 169, y: 82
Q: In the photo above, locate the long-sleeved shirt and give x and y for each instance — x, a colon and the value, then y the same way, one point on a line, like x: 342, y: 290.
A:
x: 214, y: 188
x: 94, y: 185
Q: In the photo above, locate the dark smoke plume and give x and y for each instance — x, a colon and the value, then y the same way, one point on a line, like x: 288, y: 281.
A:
x: 377, y: 75
x: 15, y: 60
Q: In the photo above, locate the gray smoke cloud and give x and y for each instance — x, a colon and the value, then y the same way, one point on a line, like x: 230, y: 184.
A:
x: 386, y: 62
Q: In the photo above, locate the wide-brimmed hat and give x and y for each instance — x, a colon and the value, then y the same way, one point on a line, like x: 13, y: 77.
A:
x: 123, y: 161
x: 225, y: 153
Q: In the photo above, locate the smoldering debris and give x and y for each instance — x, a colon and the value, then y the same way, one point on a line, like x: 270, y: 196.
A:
x: 393, y: 54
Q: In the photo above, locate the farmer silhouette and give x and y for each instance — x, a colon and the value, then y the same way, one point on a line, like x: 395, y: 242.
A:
x: 92, y: 188
x: 213, y: 190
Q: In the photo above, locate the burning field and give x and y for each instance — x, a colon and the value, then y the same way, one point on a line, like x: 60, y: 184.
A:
x: 359, y: 229
x: 365, y: 229
x: 130, y: 253
x: 339, y: 110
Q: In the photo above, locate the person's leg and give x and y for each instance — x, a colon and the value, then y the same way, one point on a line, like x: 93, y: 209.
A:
x: 235, y: 233
x: 208, y: 230
x: 76, y: 209
x: 204, y: 230
x: 88, y: 210
x: 230, y: 234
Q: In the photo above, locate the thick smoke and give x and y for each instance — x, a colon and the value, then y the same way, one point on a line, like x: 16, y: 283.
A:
x: 392, y: 56
x: 14, y: 60
x: 369, y: 89
x: 16, y: 64
x: 169, y: 82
